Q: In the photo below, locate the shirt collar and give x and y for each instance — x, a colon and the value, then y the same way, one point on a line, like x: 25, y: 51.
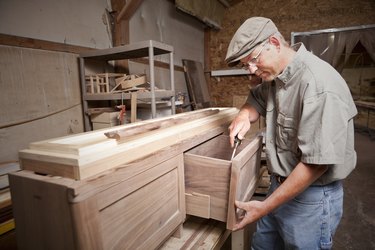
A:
x: 295, y: 65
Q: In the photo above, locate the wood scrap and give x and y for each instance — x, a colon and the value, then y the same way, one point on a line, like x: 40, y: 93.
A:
x: 130, y: 81
x: 122, y: 134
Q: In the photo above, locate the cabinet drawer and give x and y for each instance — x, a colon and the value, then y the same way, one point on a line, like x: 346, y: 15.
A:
x: 213, y: 181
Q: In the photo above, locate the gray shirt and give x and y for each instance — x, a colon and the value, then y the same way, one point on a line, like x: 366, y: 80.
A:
x: 309, y: 115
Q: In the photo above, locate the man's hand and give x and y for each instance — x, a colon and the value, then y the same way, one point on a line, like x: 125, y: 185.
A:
x: 300, y: 178
x: 239, y: 126
x: 254, y: 210
x: 241, y: 123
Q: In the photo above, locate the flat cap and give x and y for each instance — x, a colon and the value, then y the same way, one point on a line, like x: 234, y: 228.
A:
x: 252, y: 32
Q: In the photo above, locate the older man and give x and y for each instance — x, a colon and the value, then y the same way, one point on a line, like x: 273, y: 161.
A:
x: 309, y: 138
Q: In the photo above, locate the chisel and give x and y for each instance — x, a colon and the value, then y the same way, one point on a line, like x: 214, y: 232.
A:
x: 237, y: 142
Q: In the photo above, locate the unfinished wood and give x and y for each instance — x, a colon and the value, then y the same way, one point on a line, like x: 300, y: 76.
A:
x: 105, y: 117
x: 99, y: 125
x: 131, y: 81
x: 90, y: 154
x: 133, y: 107
x: 159, y: 200
x: 199, y: 233
x: 42, y: 213
x: 198, y: 205
x: 196, y: 83
x: 244, y: 178
x: 137, y: 206
x: 41, y: 44
x: 54, y: 89
x: 123, y: 134
x: 209, y: 171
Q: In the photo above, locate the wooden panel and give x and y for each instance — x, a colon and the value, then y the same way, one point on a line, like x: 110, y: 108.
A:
x: 91, y: 153
x: 86, y: 225
x: 198, y: 205
x: 244, y: 178
x: 196, y: 83
x: 41, y: 213
x: 159, y: 198
x: 138, y: 209
x: 198, y: 233
x: 209, y: 176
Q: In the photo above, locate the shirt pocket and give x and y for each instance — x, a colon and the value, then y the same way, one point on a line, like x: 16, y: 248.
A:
x: 286, y: 133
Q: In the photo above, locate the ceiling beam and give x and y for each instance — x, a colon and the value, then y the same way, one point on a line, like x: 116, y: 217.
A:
x: 128, y: 9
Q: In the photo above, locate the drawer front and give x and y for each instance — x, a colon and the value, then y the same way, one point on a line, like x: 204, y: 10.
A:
x: 213, y: 182
x: 149, y: 213
x: 244, y: 178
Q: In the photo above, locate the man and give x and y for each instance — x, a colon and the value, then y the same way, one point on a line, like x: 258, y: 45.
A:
x: 309, y: 138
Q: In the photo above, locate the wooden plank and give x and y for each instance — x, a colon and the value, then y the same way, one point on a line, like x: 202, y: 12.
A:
x: 133, y: 106
x: 97, y: 160
x: 41, y: 44
x: 198, y: 205
x: 199, y: 233
x: 131, y: 81
x: 196, y: 83
x: 123, y: 134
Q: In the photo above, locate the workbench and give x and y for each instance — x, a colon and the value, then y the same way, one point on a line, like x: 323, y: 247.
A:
x: 369, y: 107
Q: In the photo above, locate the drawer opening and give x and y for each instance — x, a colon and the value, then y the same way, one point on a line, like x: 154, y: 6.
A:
x: 218, y: 148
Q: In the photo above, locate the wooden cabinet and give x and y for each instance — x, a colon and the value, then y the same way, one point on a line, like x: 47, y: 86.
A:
x: 116, y: 188
x: 135, y: 207
x: 213, y: 181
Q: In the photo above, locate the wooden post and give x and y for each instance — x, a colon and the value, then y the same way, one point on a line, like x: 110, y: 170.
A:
x: 133, y: 111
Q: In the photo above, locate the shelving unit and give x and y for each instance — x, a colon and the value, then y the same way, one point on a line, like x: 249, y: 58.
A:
x: 148, y: 49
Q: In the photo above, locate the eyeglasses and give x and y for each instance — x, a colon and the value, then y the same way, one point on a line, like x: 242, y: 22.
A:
x: 253, y: 60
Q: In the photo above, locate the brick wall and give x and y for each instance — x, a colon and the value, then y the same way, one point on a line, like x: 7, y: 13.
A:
x: 289, y: 16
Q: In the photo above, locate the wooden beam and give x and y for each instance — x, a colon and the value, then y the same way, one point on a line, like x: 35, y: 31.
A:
x: 129, y: 9
x: 41, y: 44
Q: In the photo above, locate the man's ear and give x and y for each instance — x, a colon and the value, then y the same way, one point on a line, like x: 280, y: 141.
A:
x: 274, y: 41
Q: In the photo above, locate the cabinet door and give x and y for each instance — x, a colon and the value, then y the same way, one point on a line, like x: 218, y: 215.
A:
x: 151, y: 208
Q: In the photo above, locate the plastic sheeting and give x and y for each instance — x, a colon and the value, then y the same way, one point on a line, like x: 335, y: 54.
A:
x: 331, y: 44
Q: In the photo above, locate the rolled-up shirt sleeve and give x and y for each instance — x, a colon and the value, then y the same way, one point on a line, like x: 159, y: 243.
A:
x: 322, y: 130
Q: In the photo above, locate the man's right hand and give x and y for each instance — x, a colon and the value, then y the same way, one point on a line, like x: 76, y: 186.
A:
x: 239, y: 126
x: 242, y: 122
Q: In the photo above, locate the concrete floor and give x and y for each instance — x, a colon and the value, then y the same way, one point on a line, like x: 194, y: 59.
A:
x: 357, y: 227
